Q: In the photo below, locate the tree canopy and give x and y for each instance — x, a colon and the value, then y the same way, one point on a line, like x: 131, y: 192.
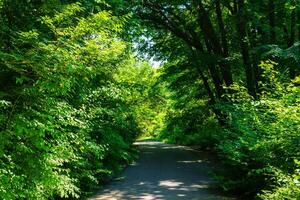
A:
x: 77, y: 88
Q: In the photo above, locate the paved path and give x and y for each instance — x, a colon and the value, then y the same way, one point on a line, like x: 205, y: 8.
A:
x: 163, y: 172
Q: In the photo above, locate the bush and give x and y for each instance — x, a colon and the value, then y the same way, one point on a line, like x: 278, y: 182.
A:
x: 287, y: 186
x: 263, y: 134
x: 65, y: 125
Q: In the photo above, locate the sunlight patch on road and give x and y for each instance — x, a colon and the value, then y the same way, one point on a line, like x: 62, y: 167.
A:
x: 202, y: 186
x: 190, y: 161
x: 142, y: 183
x: 170, y: 183
x: 147, y: 143
x: 147, y: 196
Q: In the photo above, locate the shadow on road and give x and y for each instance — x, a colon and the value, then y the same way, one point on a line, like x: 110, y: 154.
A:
x: 163, y: 172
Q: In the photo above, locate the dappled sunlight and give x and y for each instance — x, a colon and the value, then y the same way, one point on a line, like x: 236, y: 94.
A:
x: 142, y: 183
x: 165, y: 189
x: 87, y: 87
x: 190, y: 161
x: 169, y: 147
x: 147, y: 142
x: 134, y: 164
x: 176, y: 174
x: 170, y: 183
x: 148, y: 196
x: 202, y: 186
x: 149, y: 147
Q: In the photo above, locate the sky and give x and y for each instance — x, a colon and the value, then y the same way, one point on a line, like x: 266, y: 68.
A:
x: 155, y: 64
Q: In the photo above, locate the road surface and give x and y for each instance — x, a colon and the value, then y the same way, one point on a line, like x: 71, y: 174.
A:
x: 163, y: 172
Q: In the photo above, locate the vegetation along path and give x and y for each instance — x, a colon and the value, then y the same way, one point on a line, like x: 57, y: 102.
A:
x: 81, y: 80
x: 163, y: 172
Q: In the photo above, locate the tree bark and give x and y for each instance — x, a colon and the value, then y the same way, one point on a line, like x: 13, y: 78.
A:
x: 8, y: 13
x: 213, y: 100
x: 292, y: 39
x: 272, y: 22
x: 211, y: 36
x: 298, y: 20
x: 293, y: 29
x: 213, y: 70
x: 203, y: 77
x: 160, y: 20
x: 227, y: 72
x: 241, y: 29
x: 222, y: 29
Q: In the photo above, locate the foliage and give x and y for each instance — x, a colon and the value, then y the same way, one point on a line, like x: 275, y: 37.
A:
x: 139, y: 80
x: 263, y: 134
x: 74, y: 96
x: 288, y: 188
x: 66, y: 121
x: 220, y: 94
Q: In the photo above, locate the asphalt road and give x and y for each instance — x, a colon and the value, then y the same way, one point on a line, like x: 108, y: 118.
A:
x: 163, y: 172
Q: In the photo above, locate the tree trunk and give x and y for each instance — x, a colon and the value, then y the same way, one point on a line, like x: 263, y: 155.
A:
x: 222, y: 29
x: 272, y: 22
x: 8, y: 13
x: 227, y: 69
x: 211, y: 36
x: 298, y: 20
x: 214, y: 72
x: 241, y: 29
x: 220, y: 116
x: 216, y: 79
x: 293, y: 29
x: 203, y: 77
x: 213, y: 100
x: 292, y: 40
